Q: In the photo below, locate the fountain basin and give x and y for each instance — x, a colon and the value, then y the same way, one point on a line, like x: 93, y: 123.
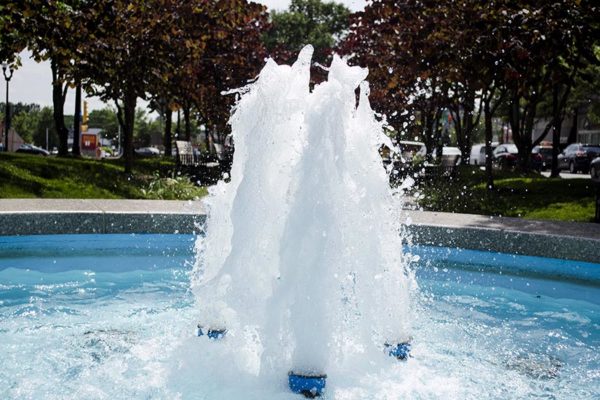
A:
x: 92, y: 316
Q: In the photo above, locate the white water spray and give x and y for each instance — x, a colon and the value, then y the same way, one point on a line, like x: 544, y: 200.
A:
x: 303, y: 246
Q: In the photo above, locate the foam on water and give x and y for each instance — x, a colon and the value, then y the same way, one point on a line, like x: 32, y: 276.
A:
x: 302, y: 261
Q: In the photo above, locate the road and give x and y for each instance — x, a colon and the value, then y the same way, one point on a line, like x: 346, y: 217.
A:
x: 567, y: 175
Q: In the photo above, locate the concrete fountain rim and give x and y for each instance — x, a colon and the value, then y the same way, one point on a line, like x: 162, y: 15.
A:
x: 556, y: 239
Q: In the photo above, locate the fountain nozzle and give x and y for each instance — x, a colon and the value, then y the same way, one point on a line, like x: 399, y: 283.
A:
x: 211, y: 333
x: 308, y: 385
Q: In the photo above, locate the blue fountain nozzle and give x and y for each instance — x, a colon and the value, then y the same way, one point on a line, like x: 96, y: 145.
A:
x: 399, y: 350
x: 210, y: 333
x: 308, y: 385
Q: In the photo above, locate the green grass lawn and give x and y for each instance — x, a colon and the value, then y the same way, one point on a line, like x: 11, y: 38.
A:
x: 30, y: 176
x: 529, y: 196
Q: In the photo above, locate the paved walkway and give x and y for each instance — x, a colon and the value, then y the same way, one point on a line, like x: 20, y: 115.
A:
x: 100, y: 205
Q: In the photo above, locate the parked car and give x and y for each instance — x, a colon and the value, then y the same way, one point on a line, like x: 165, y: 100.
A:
x: 577, y: 157
x: 409, y: 149
x: 507, y: 155
x: 451, y: 156
x: 478, y: 153
x: 31, y: 149
x: 147, y: 152
x: 546, y: 153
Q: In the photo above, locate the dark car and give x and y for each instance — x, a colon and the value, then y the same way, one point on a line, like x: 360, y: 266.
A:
x: 577, y: 157
x: 507, y: 155
x: 546, y: 153
x: 147, y: 152
x: 31, y: 149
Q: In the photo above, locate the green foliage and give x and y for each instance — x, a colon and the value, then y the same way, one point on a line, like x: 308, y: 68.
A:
x: 321, y: 24
x: 105, y: 119
x: 425, y: 57
x: 145, y: 128
x: 45, y: 120
x: 12, y: 41
x: 25, y: 124
x: 30, y: 122
x: 528, y: 196
x: 173, y: 189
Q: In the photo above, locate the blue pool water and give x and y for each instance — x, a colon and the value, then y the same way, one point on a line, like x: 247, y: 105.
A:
x: 107, y: 317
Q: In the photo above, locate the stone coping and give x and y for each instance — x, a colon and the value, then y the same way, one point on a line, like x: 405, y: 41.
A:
x: 566, y: 240
x: 64, y: 216
x: 556, y: 239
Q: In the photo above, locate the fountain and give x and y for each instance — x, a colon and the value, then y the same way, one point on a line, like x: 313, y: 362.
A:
x: 301, y: 269
x: 301, y: 285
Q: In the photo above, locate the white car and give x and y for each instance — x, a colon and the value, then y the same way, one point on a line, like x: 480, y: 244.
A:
x: 478, y: 153
x: 451, y: 156
x: 409, y: 149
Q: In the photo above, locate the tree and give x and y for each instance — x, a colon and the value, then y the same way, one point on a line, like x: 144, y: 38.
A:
x: 105, y: 119
x: 25, y: 124
x: 128, y: 56
x: 545, y: 45
x: 233, y: 55
x: 145, y: 128
x: 402, y: 45
x: 321, y: 24
x: 46, y: 124
x: 12, y: 41
x: 160, y: 48
x: 54, y: 31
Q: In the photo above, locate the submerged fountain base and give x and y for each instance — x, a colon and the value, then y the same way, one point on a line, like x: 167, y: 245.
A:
x: 399, y: 350
x: 309, y: 385
x: 211, y: 333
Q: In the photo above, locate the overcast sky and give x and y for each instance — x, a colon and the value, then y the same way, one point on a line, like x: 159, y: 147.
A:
x: 32, y: 82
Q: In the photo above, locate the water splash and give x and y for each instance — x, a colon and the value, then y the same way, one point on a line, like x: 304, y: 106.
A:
x: 302, y: 259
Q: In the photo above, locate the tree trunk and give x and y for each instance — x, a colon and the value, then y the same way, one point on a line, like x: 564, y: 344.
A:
x: 467, y: 125
x: 77, y: 122
x: 168, y: 140
x: 58, y: 104
x: 186, y: 121
x: 129, y: 103
x: 207, y: 138
x: 469, y: 128
x: 573, y: 132
x: 489, y: 135
x: 556, y: 127
x: 437, y: 131
x: 521, y: 136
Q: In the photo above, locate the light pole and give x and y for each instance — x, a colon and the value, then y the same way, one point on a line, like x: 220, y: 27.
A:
x: 7, y: 77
